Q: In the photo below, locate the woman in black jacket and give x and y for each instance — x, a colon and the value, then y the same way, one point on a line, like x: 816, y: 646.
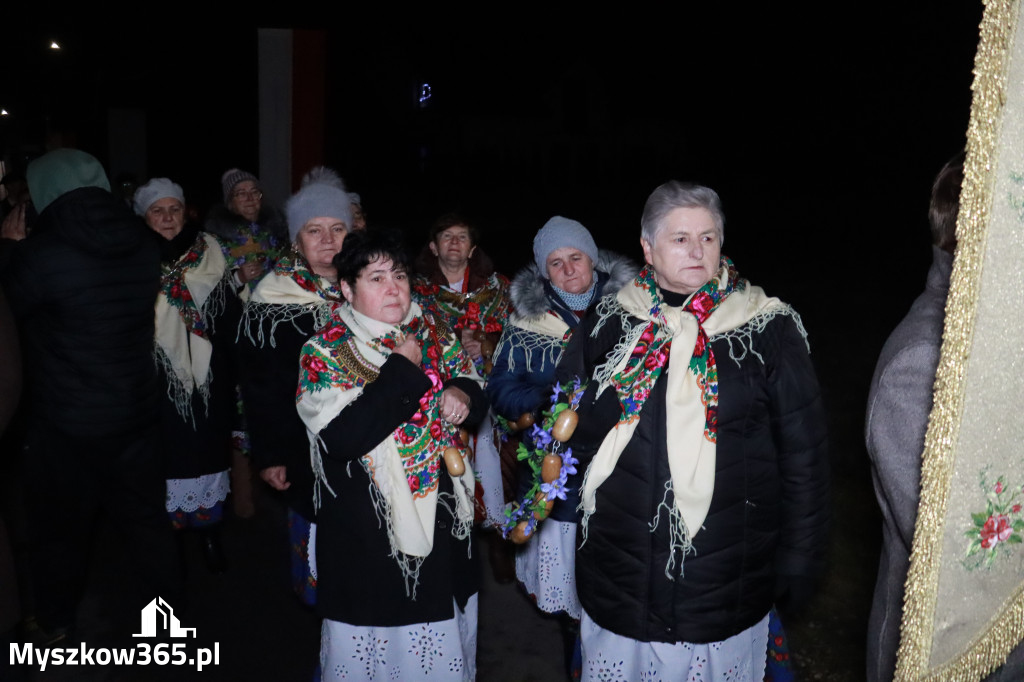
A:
x: 196, y: 320
x: 702, y: 435
x: 289, y: 305
x: 383, y: 391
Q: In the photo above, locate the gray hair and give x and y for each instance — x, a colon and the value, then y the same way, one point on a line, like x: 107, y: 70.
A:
x: 674, y: 194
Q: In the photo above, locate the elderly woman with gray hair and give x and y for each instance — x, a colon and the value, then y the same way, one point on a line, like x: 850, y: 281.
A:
x: 197, y: 314
x: 293, y: 302
x: 702, y: 440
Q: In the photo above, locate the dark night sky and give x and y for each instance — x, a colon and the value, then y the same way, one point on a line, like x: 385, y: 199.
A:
x: 821, y: 128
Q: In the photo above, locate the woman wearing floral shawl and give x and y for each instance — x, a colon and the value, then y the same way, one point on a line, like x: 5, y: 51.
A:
x: 196, y: 317
x: 289, y: 305
x: 383, y: 391
x: 702, y: 437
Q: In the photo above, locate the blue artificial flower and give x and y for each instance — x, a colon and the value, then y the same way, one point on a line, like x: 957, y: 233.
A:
x: 541, y: 438
x: 569, y: 462
x: 556, y: 488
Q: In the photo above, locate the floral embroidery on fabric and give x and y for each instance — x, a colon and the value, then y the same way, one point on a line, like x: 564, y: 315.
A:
x: 172, y: 286
x: 334, y: 361
x: 605, y: 671
x: 295, y: 268
x: 427, y: 645
x: 486, y: 309
x: 634, y: 382
x: 1001, y: 525
x: 370, y: 652
x: 251, y: 243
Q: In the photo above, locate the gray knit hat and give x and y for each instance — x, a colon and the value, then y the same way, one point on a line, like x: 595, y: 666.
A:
x: 322, y: 195
x: 557, y: 233
x: 232, y: 177
x: 155, y: 190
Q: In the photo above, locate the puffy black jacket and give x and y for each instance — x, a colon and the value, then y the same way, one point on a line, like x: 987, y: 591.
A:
x: 82, y: 287
x: 769, y: 511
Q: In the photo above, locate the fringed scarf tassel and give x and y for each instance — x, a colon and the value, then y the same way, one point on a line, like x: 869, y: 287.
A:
x: 316, y: 462
x: 180, y: 393
x: 409, y: 565
x: 678, y: 533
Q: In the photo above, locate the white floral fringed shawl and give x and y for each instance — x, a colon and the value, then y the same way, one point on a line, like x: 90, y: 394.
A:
x: 404, y: 468
x: 190, y: 298
x: 655, y: 334
x: 290, y: 291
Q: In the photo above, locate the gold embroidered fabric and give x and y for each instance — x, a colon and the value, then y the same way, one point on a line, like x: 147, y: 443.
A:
x: 964, y: 604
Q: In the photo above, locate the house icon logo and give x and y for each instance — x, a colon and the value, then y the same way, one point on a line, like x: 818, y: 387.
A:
x: 158, y: 617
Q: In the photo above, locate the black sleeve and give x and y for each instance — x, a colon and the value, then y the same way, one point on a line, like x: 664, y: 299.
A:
x: 798, y: 427
x: 597, y: 414
x: 268, y: 377
x: 224, y: 330
x: 385, y: 403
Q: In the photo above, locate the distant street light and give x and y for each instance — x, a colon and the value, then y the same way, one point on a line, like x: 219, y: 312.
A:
x: 3, y: 112
x: 54, y: 45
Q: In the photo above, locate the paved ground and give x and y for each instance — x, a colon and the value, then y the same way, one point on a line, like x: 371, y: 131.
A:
x: 264, y: 633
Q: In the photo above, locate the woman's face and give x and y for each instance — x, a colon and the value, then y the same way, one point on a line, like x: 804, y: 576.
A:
x: 358, y: 217
x: 454, y: 246
x: 570, y: 270
x: 380, y: 292
x: 319, y: 241
x: 686, y: 250
x: 166, y: 217
x: 246, y: 200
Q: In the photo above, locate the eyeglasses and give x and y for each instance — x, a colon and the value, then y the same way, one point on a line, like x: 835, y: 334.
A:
x: 253, y: 194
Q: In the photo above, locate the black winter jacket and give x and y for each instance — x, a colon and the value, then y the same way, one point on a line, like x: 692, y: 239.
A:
x: 82, y: 287
x: 268, y: 359
x: 769, y: 511
x: 359, y: 582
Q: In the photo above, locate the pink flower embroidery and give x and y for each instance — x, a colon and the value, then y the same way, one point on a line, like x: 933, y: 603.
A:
x: 996, y: 529
x: 999, y: 487
x: 1016, y: 509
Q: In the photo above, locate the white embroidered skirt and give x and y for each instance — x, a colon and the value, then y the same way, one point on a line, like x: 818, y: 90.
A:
x: 546, y: 566
x: 607, y: 656
x: 487, y: 465
x: 189, y: 494
x: 443, y: 651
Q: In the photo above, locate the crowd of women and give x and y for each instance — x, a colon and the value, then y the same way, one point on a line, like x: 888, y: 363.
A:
x: 406, y: 409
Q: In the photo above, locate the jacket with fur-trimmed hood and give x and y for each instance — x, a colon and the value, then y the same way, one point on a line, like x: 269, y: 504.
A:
x: 524, y: 362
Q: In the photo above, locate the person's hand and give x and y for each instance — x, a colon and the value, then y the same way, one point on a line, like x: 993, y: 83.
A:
x: 470, y: 343
x: 454, y: 405
x: 410, y: 348
x: 276, y: 477
x: 14, y: 224
x: 249, y: 271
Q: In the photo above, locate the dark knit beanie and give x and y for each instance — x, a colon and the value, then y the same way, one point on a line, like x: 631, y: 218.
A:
x: 231, y: 178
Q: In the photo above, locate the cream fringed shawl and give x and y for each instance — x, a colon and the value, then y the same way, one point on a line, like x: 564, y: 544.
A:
x: 290, y: 291
x: 656, y: 335
x: 191, y: 297
x: 404, y: 468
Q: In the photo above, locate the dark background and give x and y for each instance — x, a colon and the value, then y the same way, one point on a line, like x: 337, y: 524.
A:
x: 821, y: 127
